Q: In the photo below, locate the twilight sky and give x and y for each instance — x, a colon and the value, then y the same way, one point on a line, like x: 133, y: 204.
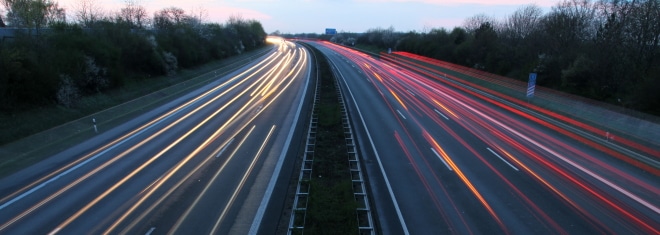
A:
x: 313, y: 16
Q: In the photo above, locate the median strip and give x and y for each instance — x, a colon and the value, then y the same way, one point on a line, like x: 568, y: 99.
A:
x: 325, y: 198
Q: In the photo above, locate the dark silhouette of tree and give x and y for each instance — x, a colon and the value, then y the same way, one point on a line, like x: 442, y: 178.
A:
x: 98, y: 53
x: 33, y: 14
x: 607, y: 50
x: 88, y: 12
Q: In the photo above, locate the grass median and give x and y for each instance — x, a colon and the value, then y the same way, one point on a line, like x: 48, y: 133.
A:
x: 331, y: 208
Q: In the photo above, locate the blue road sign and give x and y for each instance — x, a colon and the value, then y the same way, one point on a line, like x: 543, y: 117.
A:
x: 531, y: 85
x: 330, y: 31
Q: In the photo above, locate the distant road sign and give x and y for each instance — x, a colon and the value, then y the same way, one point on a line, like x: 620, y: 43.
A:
x: 531, y: 85
x: 330, y: 31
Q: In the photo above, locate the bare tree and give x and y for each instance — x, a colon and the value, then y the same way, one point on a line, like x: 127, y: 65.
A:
x: 581, y: 14
x: 34, y: 14
x: 54, y: 13
x: 523, y: 21
x: 88, y: 12
x: 168, y: 17
x: 134, y: 13
x: 236, y: 19
x: 199, y: 14
x: 646, y: 23
x: 633, y: 26
x: 473, y: 23
x: 389, y: 37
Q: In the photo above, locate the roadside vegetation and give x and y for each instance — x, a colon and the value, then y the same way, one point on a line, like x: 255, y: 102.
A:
x: 331, y: 208
x: 75, y: 67
x: 607, y: 50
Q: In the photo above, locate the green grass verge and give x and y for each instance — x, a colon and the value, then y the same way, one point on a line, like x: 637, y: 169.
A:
x: 370, y: 48
x: 31, y: 136
x: 331, y: 207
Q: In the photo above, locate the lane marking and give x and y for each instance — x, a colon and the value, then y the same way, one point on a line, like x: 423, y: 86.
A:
x: 134, y: 134
x: 438, y: 112
x: 505, y: 161
x: 55, y: 231
x: 238, y: 189
x: 278, y: 167
x: 409, y: 91
x: 150, y: 191
x: 561, y: 157
x: 144, y: 165
x: 373, y: 147
x: 254, y: 228
x: 19, y: 197
x: 150, y: 231
x: 225, y: 147
x: 404, y: 117
x: 183, y: 216
x: 443, y: 161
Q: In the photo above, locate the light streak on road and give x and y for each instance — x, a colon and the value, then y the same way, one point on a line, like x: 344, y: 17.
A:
x: 508, y: 145
x: 37, y: 184
x: 463, y: 178
x: 154, y: 158
x: 222, y: 216
x: 185, y: 214
x: 237, y: 104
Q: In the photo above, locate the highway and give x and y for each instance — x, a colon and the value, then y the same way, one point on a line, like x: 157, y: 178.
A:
x: 448, y: 160
x: 206, y: 163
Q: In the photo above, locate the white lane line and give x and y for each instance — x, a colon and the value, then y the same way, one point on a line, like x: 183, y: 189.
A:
x: 409, y: 91
x: 55, y: 231
x: 184, y: 106
x: 404, y: 117
x: 241, y: 184
x: 441, y: 114
x: 443, y: 160
x: 225, y: 147
x: 19, y: 197
x: 373, y: 147
x: 505, y: 161
x: 618, y: 188
x: 259, y: 215
x: 150, y: 231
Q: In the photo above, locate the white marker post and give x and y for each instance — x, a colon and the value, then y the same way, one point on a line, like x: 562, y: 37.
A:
x: 94, y: 122
x: 607, y: 135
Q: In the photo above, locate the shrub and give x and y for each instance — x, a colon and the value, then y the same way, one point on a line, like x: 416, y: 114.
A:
x: 68, y: 93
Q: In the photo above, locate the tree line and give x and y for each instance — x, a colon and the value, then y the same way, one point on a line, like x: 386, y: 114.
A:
x: 608, y: 50
x: 51, y: 60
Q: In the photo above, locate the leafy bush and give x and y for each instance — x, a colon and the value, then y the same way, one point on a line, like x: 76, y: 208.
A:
x: 66, y: 61
x: 68, y: 93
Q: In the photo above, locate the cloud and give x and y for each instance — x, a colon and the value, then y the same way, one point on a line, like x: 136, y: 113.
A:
x: 447, y: 23
x: 214, y: 11
x: 222, y: 13
x: 543, y: 3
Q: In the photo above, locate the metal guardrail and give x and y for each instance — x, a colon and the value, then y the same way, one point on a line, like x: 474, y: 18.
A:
x: 301, y: 198
x: 363, y: 211
x: 299, y: 208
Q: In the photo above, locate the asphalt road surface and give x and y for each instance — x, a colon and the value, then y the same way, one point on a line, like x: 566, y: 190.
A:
x: 206, y: 163
x: 442, y: 160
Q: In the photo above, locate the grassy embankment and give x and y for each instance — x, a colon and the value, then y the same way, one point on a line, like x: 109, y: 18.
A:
x: 30, y: 136
x: 331, y: 208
